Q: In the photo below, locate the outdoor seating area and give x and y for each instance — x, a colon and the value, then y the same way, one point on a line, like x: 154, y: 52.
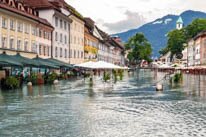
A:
x: 17, y: 69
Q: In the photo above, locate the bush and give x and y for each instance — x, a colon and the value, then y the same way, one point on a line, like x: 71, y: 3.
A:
x: 33, y: 78
x: 10, y: 83
x: 53, y: 76
x: 178, y: 77
x: 86, y: 75
x: 63, y: 76
x: 106, y: 77
x: 70, y: 74
x: 121, y: 74
x: 115, y: 75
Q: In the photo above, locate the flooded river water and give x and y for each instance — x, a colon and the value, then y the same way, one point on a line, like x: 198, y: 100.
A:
x: 129, y: 108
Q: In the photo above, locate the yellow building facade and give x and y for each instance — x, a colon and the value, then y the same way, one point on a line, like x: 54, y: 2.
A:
x: 76, y: 40
x: 22, y: 31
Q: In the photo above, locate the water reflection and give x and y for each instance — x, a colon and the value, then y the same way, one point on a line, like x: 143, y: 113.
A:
x: 128, y: 108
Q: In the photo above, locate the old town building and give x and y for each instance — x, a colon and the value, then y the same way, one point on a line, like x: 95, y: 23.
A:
x: 56, y: 13
x: 90, y: 40
x: 22, y: 31
x: 76, y: 38
x: 110, y: 50
x: 54, y: 29
x: 197, y: 50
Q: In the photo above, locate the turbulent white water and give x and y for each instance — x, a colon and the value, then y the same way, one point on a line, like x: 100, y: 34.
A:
x: 130, y: 108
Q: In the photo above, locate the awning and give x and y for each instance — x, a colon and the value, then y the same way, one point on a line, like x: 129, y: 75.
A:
x: 88, y: 64
x: 58, y: 63
x: 44, y: 64
x: 8, y: 61
x: 25, y: 61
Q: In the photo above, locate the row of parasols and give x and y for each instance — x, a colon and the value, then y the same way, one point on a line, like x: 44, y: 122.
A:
x: 99, y: 65
x: 20, y: 61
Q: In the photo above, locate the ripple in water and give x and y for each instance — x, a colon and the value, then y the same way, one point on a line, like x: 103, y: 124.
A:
x: 130, y: 108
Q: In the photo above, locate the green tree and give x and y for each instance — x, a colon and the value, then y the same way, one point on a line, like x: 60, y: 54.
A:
x: 164, y: 50
x: 195, y: 27
x: 176, y: 40
x: 139, y: 49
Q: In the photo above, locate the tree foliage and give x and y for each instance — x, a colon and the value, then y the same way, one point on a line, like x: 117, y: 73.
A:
x: 195, y: 27
x: 177, y: 38
x: 139, y: 49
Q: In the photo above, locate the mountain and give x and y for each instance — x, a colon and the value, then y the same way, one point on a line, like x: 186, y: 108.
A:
x: 157, y: 30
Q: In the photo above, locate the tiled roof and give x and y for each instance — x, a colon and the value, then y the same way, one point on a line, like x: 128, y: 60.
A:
x: 201, y: 34
x: 39, y: 4
x: 109, y: 40
x: 25, y: 14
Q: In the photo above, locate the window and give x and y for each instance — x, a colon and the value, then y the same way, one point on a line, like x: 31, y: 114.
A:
x: 4, y: 42
x: 65, y: 25
x: 61, y: 37
x: 34, y: 47
x: 11, y: 43
x: 45, y: 34
x: 70, y: 54
x: 48, y: 51
x: 56, y: 52
x: 40, y: 49
x: 44, y: 51
x: 26, y: 45
x: 12, y: 25
x: 26, y: 28
x: 82, y: 41
x: 4, y: 23
x: 61, y: 24
x: 78, y: 54
x: 49, y: 35
x: 20, y: 27
x: 34, y: 31
x: 65, y: 39
x: 65, y: 53
x: 74, y: 54
x: 60, y: 52
x: 18, y: 44
x: 40, y: 33
x: 56, y: 36
x: 56, y: 21
x: 82, y: 54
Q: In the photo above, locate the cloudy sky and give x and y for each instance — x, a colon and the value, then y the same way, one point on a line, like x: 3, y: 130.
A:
x: 120, y: 15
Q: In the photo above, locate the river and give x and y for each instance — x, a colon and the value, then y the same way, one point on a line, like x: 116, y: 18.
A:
x: 129, y: 108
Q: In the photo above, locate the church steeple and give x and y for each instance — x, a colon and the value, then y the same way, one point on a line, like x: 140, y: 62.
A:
x: 179, y: 23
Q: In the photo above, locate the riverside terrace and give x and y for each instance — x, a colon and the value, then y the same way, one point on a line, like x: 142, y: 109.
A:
x: 18, y: 69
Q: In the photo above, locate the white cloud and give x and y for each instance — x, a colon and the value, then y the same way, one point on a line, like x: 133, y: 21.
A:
x: 132, y: 20
x: 113, y: 11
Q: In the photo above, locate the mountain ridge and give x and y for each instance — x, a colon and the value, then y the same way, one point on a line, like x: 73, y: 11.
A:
x: 156, y: 30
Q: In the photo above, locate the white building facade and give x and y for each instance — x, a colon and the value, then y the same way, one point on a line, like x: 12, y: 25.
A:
x: 61, y: 33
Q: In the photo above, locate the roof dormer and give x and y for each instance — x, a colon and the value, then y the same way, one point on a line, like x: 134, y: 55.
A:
x: 3, y: 1
x: 12, y: 3
x: 21, y: 7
